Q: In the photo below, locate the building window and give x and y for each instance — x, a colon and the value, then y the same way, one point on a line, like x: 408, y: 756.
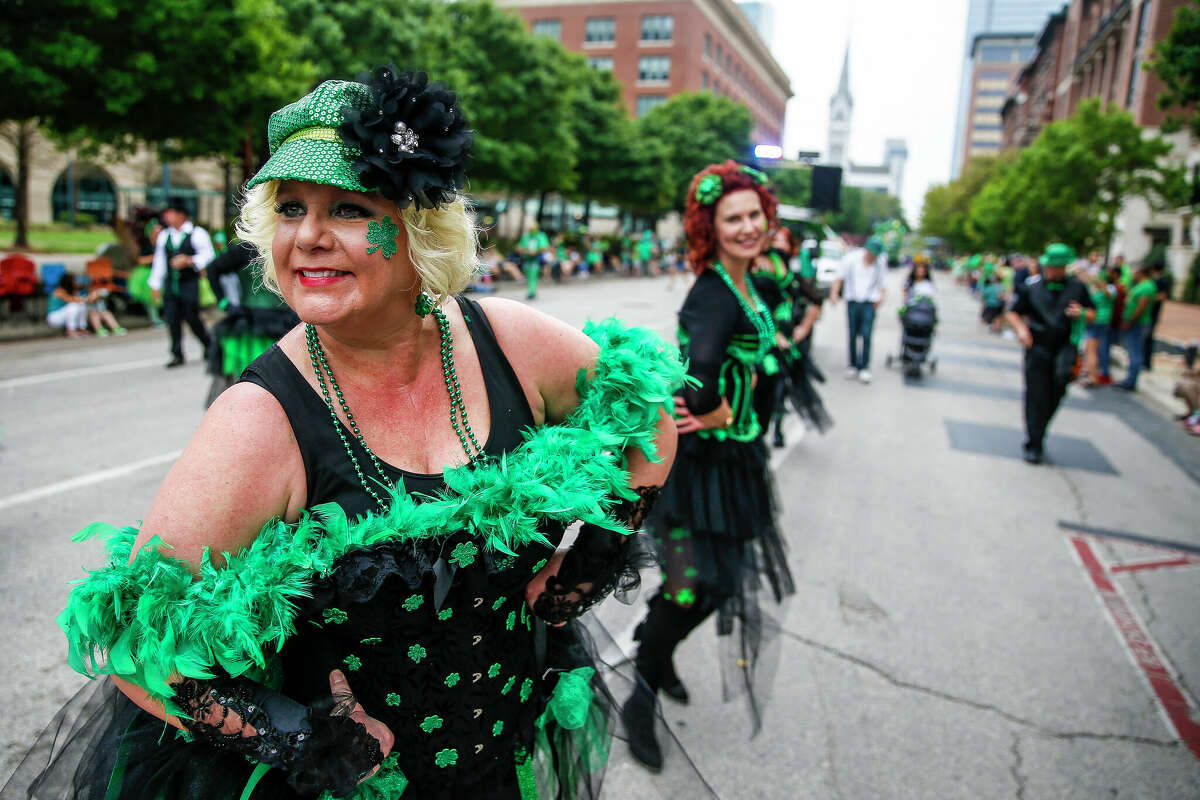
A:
x: 728, y: 62
x: 645, y: 102
x: 600, y: 29
x: 988, y: 108
x: 717, y: 88
x: 708, y: 45
x: 603, y: 63
x: 1136, y: 71
x: 720, y: 57
x: 654, y: 68
x: 988, y: 127
x: 991, y: 93
x: 704, y: 79
x: 977, y: 145
x: 1026, y: 52
x: 548, y: 27
x: 992, y: 75
x: 658, y: 28
x: 996, y: 55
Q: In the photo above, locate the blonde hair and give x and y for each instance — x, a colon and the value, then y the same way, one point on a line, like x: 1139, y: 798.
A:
x: 443, y: 243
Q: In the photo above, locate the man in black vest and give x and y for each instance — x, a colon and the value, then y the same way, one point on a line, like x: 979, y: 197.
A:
x: 181, y: 253
x: 1048, y: 314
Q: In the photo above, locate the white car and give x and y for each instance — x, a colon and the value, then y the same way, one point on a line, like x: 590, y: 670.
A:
x: 829, y: 262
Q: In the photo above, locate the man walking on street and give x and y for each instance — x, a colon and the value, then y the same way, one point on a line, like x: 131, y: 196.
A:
x: 181, y: 253
x: 1048, y: 314
x: 860, y: 281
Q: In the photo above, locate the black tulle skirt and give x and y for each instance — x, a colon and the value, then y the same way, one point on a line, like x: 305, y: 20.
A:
x: 715, y: 525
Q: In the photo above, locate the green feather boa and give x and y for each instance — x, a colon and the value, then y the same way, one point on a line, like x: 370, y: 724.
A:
x: 154, y: 618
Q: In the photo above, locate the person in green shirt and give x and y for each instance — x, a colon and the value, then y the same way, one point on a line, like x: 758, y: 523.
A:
x: 1135, y: 325
x: 531, y: 246
x: 1097, y: 341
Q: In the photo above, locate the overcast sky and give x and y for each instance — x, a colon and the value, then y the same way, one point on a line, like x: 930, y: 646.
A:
x: 906, y: 60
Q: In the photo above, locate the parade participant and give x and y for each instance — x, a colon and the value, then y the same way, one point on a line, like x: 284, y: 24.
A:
x: 1135, y: 324
x: 533, y: 246
x: 715, y: 520
x: 1048, y: 314
x: 861, y: 281
x: 919, y: 282
x: 67, y: 308
x: 384, y: 632
x: 181, y: 253
x: 255, y: 317
x: 787, y: 371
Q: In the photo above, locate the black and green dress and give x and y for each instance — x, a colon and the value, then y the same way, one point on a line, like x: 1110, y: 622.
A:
x: 715, y: 520
x: 421, y: 605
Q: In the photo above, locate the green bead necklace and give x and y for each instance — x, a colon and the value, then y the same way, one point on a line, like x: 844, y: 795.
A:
x: 759, y: 314
x: 458, y: 408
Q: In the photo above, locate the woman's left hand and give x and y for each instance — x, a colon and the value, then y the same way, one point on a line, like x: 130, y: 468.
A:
x: 687, y: 422
x: 537, y: 585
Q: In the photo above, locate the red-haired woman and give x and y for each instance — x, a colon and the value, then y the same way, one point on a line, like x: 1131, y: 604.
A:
x: 715, y: 517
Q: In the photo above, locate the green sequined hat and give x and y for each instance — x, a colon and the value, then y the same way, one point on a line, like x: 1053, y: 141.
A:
x: 395, y: 133
x: 1057, y: 255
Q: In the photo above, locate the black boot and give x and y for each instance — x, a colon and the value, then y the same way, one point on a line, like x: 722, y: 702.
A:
x: 638, y: 714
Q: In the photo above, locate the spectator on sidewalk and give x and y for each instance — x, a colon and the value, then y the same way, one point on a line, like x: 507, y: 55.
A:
x: 68, y: 308
x: 1164, y: 282
x: 1047, y: 314
x: 533, y: 246
x: 181, y: 253
x: 101, y: 319
x: 1135, y: 325
x: 1098, y: 339
x: 860, y: 280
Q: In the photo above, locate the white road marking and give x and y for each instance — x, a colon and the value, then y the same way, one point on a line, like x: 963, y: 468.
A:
x: 86, y: 480
x: 79, y: 372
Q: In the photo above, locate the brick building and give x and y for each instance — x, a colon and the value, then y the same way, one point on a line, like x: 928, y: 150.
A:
x: 1097, y: 49
x: 996, y: 60
x: 658, y: 49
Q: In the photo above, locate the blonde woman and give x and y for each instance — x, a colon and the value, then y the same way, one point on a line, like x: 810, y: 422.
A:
x: 348, y: 574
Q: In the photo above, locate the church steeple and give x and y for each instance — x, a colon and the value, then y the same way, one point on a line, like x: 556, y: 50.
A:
x: 841, y: 105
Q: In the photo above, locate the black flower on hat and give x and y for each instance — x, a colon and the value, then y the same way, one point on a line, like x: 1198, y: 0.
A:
x: 413, y: 138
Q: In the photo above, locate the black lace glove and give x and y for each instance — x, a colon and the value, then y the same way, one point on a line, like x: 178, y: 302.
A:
x: 319, y: 747
x: 599, y: 563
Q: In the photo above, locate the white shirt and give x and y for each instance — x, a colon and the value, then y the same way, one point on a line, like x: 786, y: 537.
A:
x: 862, y: 282
x: 201, y: 243
x: 924, y: 288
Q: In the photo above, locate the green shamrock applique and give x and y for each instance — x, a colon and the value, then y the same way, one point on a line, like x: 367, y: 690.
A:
x: 416, y: 653
x: 464, y: 554
x: 446, y: 758
x: 431, y: 723
x: 382, y: 236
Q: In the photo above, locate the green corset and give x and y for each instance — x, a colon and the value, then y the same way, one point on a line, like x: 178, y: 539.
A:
x: 734, y: 383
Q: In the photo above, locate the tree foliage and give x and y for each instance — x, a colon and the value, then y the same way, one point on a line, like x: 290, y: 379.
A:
x: 1072, y: 182
x: 696, y: 129
x: 1176, y: 61
x: 947, y: 206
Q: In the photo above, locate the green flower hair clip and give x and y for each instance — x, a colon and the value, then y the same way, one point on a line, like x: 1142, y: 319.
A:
x: 708, y: 191
x: 759, y: 176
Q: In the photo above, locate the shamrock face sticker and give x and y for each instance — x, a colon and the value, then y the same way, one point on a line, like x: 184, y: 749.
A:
x: 382, y: 236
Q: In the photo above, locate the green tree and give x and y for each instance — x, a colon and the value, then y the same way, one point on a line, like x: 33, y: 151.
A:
x: 1072, y: 182
x: 862, y: 210
x: 947, y: 206
x: 180, y: 75
x: 793, y: 186
x: 696, y: 129
x: 1176, y: 61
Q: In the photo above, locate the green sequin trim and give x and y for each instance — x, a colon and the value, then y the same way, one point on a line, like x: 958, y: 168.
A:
x: 497, y: 728
x: 445, y: 614
x: 494, y: 670
x: 352, y: 662
x: 685, y: 597
x: 416, y: 653
x: 414, y: 602
x: 526, y: 689
x: 511, y: 622
x: 538, y: 566
x: 316, y: 132
x: 499, y: 602
x: 452, y: 679
x: 431, y: 723
x: 382, y: 237
x: 446, y: 758
x: 508, y: 685
x: 464, y: 554
x: 691, y: 572
x: 334, y: 616
x: 392, y: 699
x: 372, y: 640
x: 505, y: 562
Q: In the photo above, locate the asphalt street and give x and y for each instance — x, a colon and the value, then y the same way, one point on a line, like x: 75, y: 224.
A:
x: 965, y: 625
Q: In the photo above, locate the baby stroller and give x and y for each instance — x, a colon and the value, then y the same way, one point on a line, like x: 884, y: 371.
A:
x: 918, y: 318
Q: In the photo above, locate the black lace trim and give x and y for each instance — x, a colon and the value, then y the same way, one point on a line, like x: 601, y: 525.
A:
x: 599, y: 563
x: 320, y: 747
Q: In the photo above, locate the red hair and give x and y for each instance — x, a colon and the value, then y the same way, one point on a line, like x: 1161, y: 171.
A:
x: 698, y: 219
x: 787, y: 234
